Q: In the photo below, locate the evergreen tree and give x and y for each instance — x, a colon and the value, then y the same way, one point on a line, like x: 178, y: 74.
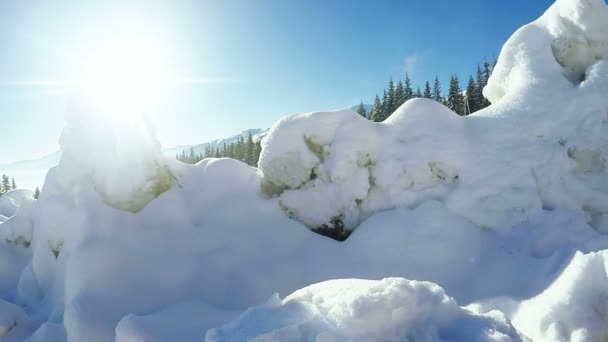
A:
x: 13, y: 183
x: 455, y: 99
x: 385, y: 107
x: 250, y: 151
x: 427, y: 91
x: 258, y: 151
x: 473, y: 100
x: 6, y: 184
x: 191, y: 156
x: 391, y: 99
x: 437, y: 91
x: 418, y: 93
x: 486, y: 72
x: 37, y: 193
x: 482, y: 81
x: 361, y: 110
x: 408, y: 92
x: 399, y: 94
x: 376, y: 110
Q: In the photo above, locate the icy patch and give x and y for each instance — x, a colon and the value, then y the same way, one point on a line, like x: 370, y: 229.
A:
x: 392, y: 309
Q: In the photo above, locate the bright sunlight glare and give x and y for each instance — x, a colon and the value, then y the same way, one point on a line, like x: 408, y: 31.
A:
x: 121, y: 76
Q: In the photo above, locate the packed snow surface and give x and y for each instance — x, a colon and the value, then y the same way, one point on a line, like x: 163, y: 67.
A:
x: 506, y: 209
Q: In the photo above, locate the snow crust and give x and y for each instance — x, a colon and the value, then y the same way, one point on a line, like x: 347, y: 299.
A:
x: 506, y: 210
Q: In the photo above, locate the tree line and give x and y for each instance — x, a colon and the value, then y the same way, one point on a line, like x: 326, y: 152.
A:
x: 463, y: 103
x: 7, y: 184
x: 245, y: 150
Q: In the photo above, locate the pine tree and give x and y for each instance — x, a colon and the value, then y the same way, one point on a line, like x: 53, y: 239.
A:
x: 37, y: 193
x: 191, y: 157
x: 437, y: 91
x: 385, y: 107
x: 427, y: 91
x: 13, y: 184
x: 361, y: 110
x: 258, y: 151
x: 391, y: 99
x: 408, y: 93
x: 418, y: 93
x: 6, y: 184
x: 376, y: 109
x: 399, y: 94
x: 486, y: 72
x: 473, y: 99
x: 250, y: 151
x: 455, y: 99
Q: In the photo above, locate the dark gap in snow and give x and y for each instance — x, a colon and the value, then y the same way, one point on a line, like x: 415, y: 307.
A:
x: 335, y: 230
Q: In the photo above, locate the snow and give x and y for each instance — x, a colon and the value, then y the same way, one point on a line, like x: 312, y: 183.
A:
x: 392, y: 309
x: 126, y: 243
x: 574, y: 307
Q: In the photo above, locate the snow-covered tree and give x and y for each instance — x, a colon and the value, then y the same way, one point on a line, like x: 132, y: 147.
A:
x: 361, y: 110
x: 427, y: 91
x: 437, y: 91
x: 6, y: 184
x: 376, y: 110
x: 455, y: 99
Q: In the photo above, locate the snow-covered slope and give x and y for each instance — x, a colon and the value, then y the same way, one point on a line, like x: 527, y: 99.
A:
x: 502, y: 210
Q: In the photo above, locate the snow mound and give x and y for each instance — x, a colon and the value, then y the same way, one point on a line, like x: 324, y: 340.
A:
x: 574, y: 307
x: 10, y: 201
x: 392, y: 309
x: 335, y: 169
x: 569, y: 39
x: 338, y: 166
x: 126, y: 244
x: 117, y: 152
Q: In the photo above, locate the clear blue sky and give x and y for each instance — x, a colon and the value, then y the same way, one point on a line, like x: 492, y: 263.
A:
x: 259, y: 60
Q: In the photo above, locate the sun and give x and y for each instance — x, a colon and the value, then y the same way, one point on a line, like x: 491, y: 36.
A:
x: 123, y: 74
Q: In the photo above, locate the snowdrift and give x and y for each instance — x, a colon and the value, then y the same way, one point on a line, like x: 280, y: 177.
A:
x: 392, y: 309
x: 126, y: 244
x: 329, y: 167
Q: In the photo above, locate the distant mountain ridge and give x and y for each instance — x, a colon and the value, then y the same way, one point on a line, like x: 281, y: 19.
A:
x: 256, y: 134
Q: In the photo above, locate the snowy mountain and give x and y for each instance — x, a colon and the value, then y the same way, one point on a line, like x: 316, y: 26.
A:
x: 462, y: 228
x: 256, y: 133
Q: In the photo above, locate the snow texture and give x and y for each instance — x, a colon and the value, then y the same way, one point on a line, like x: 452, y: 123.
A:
x: 126, y: 243
x: 392, y: 309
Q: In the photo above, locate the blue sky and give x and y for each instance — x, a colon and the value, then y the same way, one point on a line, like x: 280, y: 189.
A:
x: 254, y: 61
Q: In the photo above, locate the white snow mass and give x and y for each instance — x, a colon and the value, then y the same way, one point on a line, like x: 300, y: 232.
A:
x: 499, y: 219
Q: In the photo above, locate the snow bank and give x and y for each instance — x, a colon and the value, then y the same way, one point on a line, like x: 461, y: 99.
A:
x: 115, y: 151
x: 392, y: 309
x: 337, y: 167
x: 574, y: 307
x: 340, y: 166
x: 10, y: 201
